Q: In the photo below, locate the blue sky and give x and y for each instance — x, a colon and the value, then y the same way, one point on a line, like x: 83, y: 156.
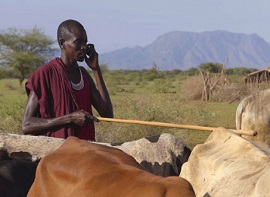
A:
x: 114, y: 24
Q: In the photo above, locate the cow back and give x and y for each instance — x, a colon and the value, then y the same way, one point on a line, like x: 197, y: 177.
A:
x: 81, y: 168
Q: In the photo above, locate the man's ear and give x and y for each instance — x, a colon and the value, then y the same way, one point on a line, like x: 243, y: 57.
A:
x: 61, y: 42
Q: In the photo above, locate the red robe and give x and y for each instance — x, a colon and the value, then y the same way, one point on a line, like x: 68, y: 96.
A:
x: 56, y: 97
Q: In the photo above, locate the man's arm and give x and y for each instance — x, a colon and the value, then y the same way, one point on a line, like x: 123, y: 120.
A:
x: 33, y: 125
x: 100, y: 96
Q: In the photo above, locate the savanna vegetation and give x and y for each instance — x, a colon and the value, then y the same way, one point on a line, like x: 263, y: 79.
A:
x: 205, y: 96
x: 23, y: 50
x: 150, y: 95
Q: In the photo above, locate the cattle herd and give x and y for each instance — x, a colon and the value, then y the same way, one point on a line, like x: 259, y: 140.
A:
x: 226, y: 165
x: 73, y: 167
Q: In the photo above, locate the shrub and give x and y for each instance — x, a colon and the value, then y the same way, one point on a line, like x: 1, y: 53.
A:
x: 192, y: 87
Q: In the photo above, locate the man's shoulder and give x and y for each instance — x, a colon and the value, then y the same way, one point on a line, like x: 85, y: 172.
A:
x: 52, y: 64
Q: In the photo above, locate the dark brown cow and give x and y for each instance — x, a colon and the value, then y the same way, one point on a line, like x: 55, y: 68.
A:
x: 80, y: 168
x: 17, y: 173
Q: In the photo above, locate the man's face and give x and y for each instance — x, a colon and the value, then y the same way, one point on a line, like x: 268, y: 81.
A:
x: 75, y: 46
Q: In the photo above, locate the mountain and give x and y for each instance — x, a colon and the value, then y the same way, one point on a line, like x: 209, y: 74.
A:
x: 183, y: 50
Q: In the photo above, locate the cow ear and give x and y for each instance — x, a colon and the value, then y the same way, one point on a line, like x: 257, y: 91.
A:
x: 3, y: 154
x: 21, y: 156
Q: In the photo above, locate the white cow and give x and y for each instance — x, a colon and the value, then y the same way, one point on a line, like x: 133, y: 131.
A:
x: 161, y: 155
x: 228, y: 165
x: 253, y: 113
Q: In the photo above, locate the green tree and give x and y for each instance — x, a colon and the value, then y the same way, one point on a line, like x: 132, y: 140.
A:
x: 192, y: 71
x: 25, y: 50
x: 211, y: 67
x: 242, y: 71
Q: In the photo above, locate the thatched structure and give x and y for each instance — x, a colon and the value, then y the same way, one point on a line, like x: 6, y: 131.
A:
x: 258, y: 77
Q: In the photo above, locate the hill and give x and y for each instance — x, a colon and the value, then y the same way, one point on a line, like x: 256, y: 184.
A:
x: 183, y: 50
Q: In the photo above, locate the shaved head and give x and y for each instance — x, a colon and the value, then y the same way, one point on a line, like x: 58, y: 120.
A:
x: 65, y: 29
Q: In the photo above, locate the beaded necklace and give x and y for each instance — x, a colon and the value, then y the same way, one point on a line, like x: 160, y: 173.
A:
x: 80, y: 85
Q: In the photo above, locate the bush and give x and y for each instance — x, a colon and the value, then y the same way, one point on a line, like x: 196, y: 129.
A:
x: 192, y: 88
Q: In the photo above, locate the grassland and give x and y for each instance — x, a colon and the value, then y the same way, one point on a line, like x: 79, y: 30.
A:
x: 148, y: 96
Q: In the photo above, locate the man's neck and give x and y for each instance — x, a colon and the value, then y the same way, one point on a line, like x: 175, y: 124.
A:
x: 70, y: 66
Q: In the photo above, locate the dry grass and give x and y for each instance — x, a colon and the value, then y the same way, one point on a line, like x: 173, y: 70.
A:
x: 164, y: 98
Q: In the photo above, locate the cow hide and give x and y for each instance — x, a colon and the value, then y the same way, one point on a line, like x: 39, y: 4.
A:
x: 79, y: 168
x: 37, y: 146
x: 253, y: 113
x: 228, y: 165
x: 162, y: 155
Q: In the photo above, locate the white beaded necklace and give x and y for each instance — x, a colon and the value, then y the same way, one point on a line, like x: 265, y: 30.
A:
x: 79, y: 85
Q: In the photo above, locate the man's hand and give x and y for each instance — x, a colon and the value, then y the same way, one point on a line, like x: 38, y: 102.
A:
x: 81, y: 117
x: 92, y: 57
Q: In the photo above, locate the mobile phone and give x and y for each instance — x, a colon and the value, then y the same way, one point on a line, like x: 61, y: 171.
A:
x: 88, y: 50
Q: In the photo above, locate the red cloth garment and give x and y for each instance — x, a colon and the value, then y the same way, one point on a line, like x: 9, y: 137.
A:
x: 55, y: 95
x: 83, y: 99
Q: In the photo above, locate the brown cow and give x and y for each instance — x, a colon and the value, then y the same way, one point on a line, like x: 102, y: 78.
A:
x: 80, y: 168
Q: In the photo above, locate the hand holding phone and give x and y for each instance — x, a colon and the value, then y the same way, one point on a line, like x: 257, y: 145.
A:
x: 91, y: 57
x: 88, y: 51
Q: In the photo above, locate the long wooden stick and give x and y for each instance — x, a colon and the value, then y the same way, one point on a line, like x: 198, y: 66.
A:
x: 163, y: 124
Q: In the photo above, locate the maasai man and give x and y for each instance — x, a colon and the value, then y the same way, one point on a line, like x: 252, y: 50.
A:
x: 61, y: 93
